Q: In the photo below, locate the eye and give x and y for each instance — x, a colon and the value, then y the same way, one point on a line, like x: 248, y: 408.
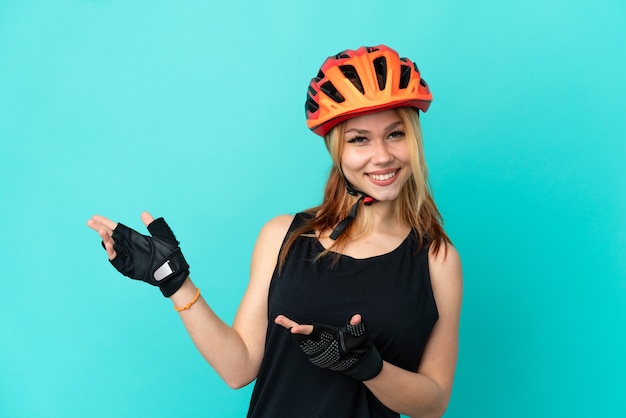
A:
x: 357, y: 140
x: 397, y: 134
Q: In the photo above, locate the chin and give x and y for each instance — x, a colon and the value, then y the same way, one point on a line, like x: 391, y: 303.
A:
x: 385, y: 197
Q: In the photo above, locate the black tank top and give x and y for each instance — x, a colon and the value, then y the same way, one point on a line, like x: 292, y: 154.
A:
x: 392, y: 292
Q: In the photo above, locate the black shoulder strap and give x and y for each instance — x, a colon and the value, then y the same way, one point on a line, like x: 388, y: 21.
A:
x: 299, y: 220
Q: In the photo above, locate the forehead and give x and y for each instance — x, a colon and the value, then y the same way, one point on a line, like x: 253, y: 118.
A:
x: 372, y: 121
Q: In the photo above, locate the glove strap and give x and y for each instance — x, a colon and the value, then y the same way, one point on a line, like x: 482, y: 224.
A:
x: 368, y: 367
x: 171, y: 275
x: 172, y: 264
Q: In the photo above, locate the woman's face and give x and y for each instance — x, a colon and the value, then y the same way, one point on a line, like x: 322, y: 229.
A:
x: 375, y: 156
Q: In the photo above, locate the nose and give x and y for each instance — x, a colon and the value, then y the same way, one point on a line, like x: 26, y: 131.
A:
x: 382, y: 153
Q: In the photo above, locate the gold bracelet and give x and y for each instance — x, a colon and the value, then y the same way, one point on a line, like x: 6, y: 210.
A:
x: 187, y: 306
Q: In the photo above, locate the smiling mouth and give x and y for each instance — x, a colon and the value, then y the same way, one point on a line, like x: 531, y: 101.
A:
x: 383, y: 177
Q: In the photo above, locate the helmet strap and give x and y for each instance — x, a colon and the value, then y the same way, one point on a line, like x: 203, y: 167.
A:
x: 366, y: 199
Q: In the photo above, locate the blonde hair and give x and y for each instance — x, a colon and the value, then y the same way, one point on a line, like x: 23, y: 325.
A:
x: 414, y: 207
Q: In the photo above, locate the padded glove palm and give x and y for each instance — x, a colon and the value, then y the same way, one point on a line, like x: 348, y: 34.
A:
x: 347, y: 350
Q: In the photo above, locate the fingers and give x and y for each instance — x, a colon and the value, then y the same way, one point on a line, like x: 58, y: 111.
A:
x: 293, y: 326
x: 104, y: 227
x: 285, y: 322
x: 97, y: 222
x: 297, y: 328
x: 146, y: 218
x: 356, y: 319
x: 108, y: 246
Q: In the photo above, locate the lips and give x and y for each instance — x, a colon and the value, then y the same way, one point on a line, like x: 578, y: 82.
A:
x: 383, y: 178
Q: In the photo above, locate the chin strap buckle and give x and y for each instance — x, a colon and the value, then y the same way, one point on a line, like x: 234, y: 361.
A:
x: 341, y: 226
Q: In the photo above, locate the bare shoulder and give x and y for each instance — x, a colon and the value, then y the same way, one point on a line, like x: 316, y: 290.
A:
x: 275, y: 230
x: 446, y: 276
x: 272, y: 235
x: 446, y: 261
x: 280, y: 222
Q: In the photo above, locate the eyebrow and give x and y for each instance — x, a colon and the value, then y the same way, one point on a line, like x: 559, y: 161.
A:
x: 389, y: 127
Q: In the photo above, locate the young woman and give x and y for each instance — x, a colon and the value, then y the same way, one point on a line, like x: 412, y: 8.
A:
x: 352, y: 309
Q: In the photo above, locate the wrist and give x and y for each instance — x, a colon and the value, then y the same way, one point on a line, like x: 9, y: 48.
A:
x: 368, y: 367
x: 184, y: 293
x: 173, y: 283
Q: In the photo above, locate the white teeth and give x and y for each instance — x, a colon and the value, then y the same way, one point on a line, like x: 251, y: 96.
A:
x: 382, y: 177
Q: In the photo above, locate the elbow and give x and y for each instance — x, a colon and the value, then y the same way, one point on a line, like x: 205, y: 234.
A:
x: 438, y: 413
x: 440, y: 409
x: 436, y: 409
x: 237, y: 383
x: 235, y: 377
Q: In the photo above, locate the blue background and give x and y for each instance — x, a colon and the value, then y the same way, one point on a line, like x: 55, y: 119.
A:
x: 195, y: 112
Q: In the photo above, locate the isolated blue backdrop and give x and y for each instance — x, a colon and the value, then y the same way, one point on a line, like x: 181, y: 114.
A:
x: 194, y: 111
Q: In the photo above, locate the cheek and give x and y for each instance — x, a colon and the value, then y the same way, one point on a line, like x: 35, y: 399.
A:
x: 351, y: 169
x: 402, y: 153
x: 351, y: 162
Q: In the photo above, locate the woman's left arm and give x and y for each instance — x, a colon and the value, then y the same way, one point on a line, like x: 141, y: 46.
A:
x: 427, y: 392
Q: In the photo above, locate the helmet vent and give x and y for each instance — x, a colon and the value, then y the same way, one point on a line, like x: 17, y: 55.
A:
x: 311, y: 105
x: 331, y: 91
x: 380, y: 68
x: 350, y: 72
x: 405, y: 76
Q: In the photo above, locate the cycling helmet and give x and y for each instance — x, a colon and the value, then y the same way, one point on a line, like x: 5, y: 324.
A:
x: 366, y: 80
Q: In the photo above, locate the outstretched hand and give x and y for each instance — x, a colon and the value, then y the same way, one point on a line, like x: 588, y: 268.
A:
x: 346, y: 349
x: 155, y: 258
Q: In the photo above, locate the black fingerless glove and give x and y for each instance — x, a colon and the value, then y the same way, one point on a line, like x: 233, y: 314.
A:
x: 156, y: 260
x: 347, y: 350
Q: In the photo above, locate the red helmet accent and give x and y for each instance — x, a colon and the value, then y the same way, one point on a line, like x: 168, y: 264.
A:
x: 369, y: 79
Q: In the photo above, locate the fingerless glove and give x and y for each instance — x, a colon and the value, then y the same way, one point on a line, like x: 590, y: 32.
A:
x: 347, y: 350
x: 154, y: 259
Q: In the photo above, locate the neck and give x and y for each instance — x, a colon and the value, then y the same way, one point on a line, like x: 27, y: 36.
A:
x: 382, y: 216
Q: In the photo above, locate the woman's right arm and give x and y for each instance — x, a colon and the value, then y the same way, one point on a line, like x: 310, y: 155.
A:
x: 234, y: 352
